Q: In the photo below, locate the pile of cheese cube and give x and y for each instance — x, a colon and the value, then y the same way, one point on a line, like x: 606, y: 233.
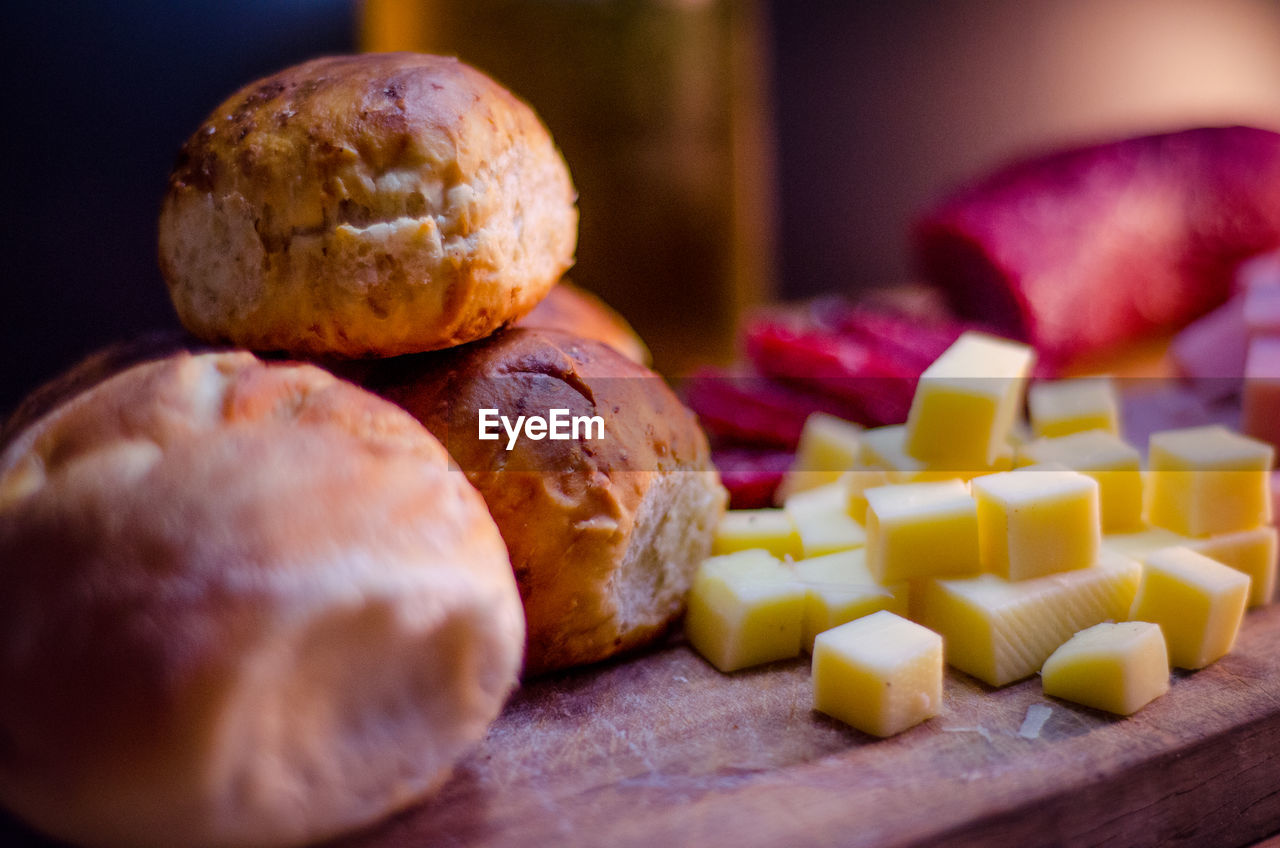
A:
x: 1005, y: 547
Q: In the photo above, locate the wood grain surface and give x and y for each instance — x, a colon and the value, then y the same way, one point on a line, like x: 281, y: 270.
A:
x: 664, y: 750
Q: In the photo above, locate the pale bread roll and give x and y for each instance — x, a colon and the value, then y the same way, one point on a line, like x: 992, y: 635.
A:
x: 366, y: 205
x: 240, y: 604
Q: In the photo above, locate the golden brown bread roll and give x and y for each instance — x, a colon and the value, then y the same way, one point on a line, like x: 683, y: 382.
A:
x: 604, y: 533
x: 574, y: 310
x: 240, y: 604
x: 365, y: 205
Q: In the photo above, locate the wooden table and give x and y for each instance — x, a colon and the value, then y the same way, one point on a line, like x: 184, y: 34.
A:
x: 662, y: 750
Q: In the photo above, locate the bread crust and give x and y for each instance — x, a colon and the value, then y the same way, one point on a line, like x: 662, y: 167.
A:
x: 366, y: 205
x: 242, y: 604
x: 574, y: 310
x: 604, y: 534
x: 92, y: 370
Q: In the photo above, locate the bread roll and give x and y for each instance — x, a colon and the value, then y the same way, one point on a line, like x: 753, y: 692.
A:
x: 574, y: 310
x: 604, y: 533
x: 365, y: 205
x: 90, y: 371
x: 240, y: 604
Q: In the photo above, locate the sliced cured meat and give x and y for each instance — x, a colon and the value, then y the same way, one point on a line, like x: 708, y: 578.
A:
x: 1082, y: 250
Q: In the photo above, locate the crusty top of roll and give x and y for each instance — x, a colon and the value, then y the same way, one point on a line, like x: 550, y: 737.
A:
x: 88, y: 372
x: 374, y: 204
x: 604, y: 534
x: 240, y: 604
x: 574, y: 310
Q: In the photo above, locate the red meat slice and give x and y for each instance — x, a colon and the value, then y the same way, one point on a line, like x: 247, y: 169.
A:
x: 870, y: 358
x: 751, y: 476
x: 1082, y: 250
x: 742, y: 407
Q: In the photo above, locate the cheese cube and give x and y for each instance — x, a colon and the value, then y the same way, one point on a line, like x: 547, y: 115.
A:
x: 880, y: 674
x: 1062, y: 407
x: 1000, y: 631
x: 1139, y: 543
x: 921, y: 530
x: 745, y: 609
x: 1036, y: 522
x: 824, y: 525
x: 1106, y: 458
x: 966, y: 402
x: 856, y: 483
x: 828, y: 447
x: 886, y: 448
x: 1207, y: 480
x: 1020, y: 433
x: 1119, y: 667
x: 1198, y: 603
x: 839, y: 588
x: 772, y: 530
x: 1252, y: 552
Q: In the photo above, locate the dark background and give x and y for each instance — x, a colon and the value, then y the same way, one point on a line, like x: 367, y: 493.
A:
x: 876, y: 108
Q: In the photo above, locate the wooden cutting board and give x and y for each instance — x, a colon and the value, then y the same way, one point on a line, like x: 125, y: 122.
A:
x: 662, y: 750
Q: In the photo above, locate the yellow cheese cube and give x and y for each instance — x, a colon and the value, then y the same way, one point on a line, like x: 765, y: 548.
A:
x: 745, y: 529
x: 856, y: 483
x: 824, y: 525
x: 1119, y: 667
x: 1207, y: 480
x: 1250, y: 551
x: 1020, y: 433
x: 966, y: 402
x: 745, y: 609
x: 1106, y: 458
x: 828, y: 447
x: 886, y: 448
x: 1062, y: 407
x: 1198, y: 603
x: 1003, y: 462
x: 921, y: 530
x: 880, y: 674
x: 828, y: 443
x: 1000, y: 631
x: 839, y: 588
x: 1139, y: 543
x: 1036, y: 522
